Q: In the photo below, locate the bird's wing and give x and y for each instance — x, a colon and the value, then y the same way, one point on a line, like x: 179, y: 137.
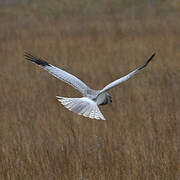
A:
x: 82, y: 106
x: 59, y: 73
x: 124, y: 78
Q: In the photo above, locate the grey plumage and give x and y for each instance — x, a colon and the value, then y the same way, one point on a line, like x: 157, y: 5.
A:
x: 88, y: 104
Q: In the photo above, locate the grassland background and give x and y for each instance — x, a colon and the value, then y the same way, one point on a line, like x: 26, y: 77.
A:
x: 98, y: 41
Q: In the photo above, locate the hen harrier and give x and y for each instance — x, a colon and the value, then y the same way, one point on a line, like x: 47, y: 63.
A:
x: 88, y: 104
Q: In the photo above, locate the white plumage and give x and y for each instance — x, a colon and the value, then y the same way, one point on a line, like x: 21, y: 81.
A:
x: 82, y: 106
x: 88, y: 104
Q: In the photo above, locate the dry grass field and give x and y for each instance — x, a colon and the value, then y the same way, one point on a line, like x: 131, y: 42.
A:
x: 40, y: 139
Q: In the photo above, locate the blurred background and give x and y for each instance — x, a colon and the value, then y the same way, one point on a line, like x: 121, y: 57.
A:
x: 98, y: 41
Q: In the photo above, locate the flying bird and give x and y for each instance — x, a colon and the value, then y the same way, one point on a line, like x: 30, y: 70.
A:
x: 88, y: 104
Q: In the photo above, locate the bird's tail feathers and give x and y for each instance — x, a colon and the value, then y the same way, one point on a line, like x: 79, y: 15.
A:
x: 82, y: 106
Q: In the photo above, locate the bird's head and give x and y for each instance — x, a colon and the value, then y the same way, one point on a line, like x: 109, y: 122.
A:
x: 104, y: 98
x: 109, y: 98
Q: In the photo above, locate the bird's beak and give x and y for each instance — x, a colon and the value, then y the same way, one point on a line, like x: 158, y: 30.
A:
x: 110, y: 99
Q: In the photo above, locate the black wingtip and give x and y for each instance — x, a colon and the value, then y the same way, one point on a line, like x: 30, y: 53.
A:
x: 147, y: 62
x: 150, y: 58
x: 34, y: 59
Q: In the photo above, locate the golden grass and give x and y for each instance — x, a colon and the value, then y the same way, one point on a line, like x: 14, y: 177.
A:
x: 40, y: 139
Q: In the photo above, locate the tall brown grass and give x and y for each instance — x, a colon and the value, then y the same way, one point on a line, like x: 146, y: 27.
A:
x: 40, y: 139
